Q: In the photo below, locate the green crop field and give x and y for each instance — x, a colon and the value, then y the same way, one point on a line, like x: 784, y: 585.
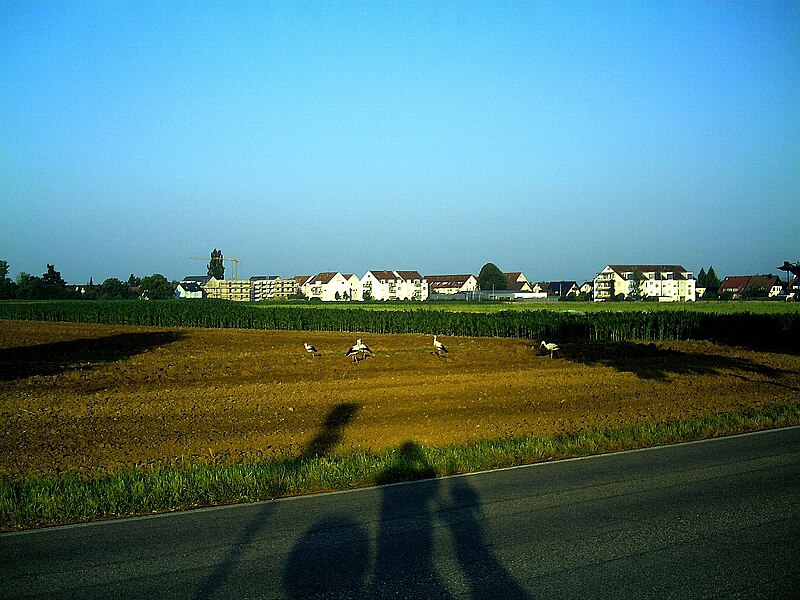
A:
x: 728, y: 307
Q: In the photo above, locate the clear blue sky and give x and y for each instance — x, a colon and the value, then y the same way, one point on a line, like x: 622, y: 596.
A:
x: 548, y: 137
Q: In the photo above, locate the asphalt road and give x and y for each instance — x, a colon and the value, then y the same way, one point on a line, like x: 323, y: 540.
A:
x: 717, y: 519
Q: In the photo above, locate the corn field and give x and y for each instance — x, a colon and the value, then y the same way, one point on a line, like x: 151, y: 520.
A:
x: 653, y: 325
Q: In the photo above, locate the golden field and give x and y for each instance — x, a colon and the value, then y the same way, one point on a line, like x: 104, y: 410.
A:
x: 88, y: 399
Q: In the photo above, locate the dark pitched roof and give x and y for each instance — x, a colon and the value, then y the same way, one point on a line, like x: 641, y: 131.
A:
x: 739, y: 283
x: 384, y: 275
x: 200, y: 279
x: 676, y: 270
x: 446, y: 281
x: 409, y: 275
x: 557, y: 287
x: 189, y: 286
x: 325, y: 277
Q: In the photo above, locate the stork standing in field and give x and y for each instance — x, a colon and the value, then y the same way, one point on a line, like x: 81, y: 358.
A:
x: 311, y: 349
x: 550, y: 347
x: 358, y: 348
x: 439, y: 347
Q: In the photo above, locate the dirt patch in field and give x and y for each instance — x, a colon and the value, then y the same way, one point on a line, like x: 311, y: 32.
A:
x: 88, y: 399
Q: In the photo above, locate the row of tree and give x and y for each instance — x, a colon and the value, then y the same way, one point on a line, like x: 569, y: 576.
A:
x: 51, y: 286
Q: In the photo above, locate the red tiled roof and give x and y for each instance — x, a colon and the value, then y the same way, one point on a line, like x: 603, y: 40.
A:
x: 739, y: 283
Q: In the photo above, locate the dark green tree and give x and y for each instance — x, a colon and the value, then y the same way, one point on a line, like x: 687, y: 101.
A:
x: 114, y: 289
x: 492, y: 278
x: 49, y: 286
x: 30, y: 287
x: 712, y: 281
x: 134, y: 281
x: 216, y: 266
x: 702, y: 278
x: 156, y: 287
x: 8, y: 289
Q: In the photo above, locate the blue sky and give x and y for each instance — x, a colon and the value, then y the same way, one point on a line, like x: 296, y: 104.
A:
x: 548, y: 137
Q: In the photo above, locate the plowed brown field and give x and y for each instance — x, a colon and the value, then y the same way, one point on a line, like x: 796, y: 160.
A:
x: 88, y: 399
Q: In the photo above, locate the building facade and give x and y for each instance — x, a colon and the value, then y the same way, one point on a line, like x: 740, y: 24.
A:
x: 394, y: 285
x: 451, y: 284
x: 272, y: 288
x: 667, y: 283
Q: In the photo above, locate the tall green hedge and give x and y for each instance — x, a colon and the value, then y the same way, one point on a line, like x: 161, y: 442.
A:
x: 647, y: 325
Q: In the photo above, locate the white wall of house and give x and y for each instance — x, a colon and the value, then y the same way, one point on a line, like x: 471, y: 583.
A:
x: 390, y: 285
x: 327, y: 288
x: 354, y: 285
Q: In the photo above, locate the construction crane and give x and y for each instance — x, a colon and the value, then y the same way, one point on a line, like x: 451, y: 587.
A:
x: 235, y: 262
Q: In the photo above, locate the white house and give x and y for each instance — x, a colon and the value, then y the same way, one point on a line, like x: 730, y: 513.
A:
x: 667, y: 283
x: 451, y: 284
x: 189, y: 289
x: 557, y: 289
x: 330, y: 286
x: 394, y: 285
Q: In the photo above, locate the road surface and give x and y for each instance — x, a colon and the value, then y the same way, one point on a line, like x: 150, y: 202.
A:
x: 716, y: 519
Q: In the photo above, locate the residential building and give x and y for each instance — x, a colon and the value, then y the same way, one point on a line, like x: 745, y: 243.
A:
x: 237, y: 290
x: 740, y: 286
x: 189, y: 289
x: 394, y: 285
x: 517, y: 282
x: 557, y: 289
x: 667, y: 283
x: 354, y: 284
x: 272, y: 288
x: 329, y: 286
x: 793, y: 287
x: 587, y: 288
x: 451, y: 284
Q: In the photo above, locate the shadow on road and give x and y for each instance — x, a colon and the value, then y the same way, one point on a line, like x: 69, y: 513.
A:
x: 648, y: 361
x: 57, y: 357
x: 331, y: 560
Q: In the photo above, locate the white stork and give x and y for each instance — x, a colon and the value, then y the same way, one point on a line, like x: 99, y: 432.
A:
x: 551, y: 347
x: 311, y: 349
x: 358, y: 347
x: 439, y: 347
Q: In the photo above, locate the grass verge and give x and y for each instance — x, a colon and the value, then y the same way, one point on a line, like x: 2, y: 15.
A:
x: 29, y: 502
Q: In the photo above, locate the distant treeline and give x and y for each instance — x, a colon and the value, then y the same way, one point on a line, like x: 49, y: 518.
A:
x: 737, y: 328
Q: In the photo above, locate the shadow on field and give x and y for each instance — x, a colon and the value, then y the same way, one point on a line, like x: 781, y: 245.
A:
x: 57, y: 357
x: 648, y: 361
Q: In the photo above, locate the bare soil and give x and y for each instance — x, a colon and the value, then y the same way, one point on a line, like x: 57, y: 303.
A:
x: 89, y: 399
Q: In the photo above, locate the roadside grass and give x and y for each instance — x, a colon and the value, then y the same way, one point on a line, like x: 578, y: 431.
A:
x: 29, y: 502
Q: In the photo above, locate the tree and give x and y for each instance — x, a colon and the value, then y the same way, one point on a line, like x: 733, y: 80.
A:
x: 53, y: 277
x: 712, y: 281
x: 30, y: 287
x: 49, y: 286
x: 794, y: 269
x: 636, y: 291
x: 8, y: 289
x: 134, y: 281
x: 492, y: 278
x: 702, y: 278
x: 156, y: 287
x: 216, y: 267
x: 114, y: 289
